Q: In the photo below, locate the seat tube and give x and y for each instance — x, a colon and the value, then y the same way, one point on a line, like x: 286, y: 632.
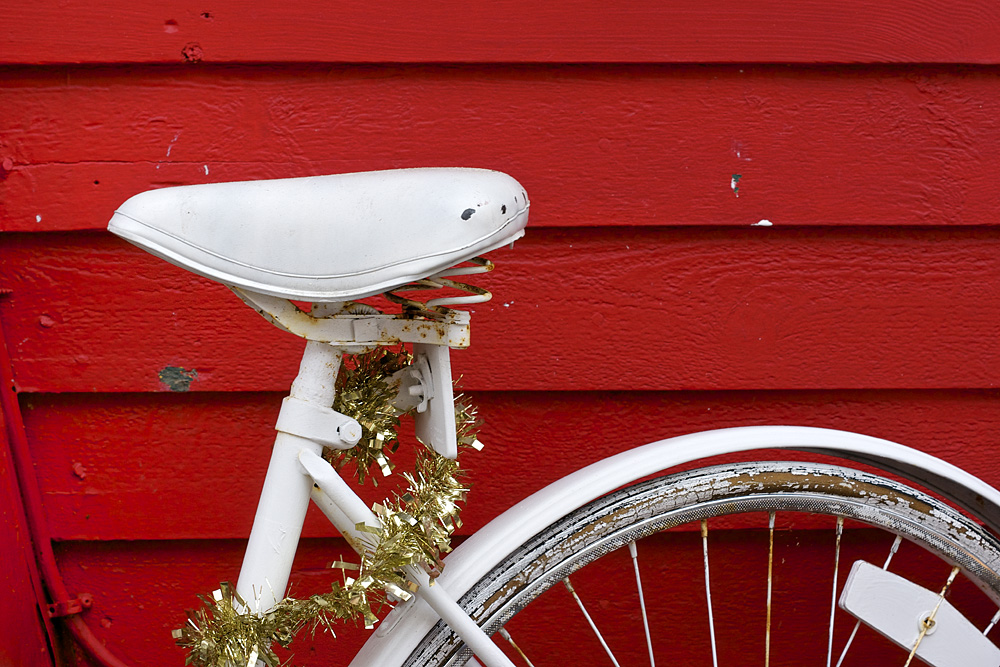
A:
x: 284, y: 498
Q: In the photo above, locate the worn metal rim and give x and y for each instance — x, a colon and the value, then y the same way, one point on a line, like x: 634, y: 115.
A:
x: 648, y: 507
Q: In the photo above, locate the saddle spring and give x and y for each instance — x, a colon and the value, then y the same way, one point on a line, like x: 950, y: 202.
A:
x: 437, y: 308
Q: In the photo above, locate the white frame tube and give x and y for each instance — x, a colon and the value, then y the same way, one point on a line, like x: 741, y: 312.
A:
x: 295, y: 466
x: 341, y: 505
x: 284, y: 499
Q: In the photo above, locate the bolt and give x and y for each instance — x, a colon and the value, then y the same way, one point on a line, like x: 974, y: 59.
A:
x: 350, y: 432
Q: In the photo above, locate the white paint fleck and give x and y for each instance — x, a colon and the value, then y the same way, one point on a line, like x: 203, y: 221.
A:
x: 206, y: 170
x: 38, y: 218
x: 174, y: 141
x: 763, y: 223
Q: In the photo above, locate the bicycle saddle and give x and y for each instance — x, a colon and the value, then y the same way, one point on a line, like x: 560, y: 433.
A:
x: 328, y: 238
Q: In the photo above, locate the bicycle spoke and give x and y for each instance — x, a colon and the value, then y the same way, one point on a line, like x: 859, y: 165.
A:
x: 590, y: 621
x: 833, y: 597
x: 993, y: 621
x: 708, y: 592
x: 510, y: 640
x: 770, y: 572
x: 681, y: 500
x: 857, y: 624
x: 928, y: 622
x: 642, y: 600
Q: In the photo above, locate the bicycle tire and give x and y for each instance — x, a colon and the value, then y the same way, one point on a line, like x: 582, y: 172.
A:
x: 648, y: 507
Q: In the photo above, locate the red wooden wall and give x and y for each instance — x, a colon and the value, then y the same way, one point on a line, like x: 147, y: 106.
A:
x: 646, y: 301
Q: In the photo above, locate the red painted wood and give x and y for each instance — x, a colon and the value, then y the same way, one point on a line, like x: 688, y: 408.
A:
x: 625, y: 146
x: 508, y: 31
x: 22, y: 638
x: 879, y: 320
x: 157, y: 466
x: 142, y: 589
x: 653, y: 309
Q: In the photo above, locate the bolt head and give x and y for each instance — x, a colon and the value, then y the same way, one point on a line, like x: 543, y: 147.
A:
x: 350, y: 432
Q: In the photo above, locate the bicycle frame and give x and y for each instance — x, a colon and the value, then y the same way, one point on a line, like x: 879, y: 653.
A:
x: 296, y: 473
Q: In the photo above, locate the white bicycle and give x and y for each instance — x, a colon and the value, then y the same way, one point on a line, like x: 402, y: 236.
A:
x: 311, y: 240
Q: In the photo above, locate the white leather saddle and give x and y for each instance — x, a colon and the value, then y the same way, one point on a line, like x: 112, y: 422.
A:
x: 328, y: 238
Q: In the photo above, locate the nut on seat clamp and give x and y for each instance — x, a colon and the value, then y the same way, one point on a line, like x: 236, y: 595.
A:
x: 324, y: 426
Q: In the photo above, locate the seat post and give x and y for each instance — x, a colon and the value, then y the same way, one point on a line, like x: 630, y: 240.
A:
x: 284, y: 498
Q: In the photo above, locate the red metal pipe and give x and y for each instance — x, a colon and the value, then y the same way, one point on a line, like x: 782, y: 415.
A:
x: 35, y: 515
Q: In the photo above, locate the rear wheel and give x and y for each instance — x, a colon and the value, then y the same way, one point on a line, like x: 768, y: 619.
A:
x: 704, y: 598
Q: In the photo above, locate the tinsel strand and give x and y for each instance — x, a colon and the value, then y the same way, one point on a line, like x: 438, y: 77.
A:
x: 417, y: 525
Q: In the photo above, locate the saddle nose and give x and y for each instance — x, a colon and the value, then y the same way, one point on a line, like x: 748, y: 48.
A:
x: 328, y: 238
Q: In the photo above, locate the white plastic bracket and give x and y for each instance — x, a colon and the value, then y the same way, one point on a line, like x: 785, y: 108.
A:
x: 435, y: 423
x: 324, y: 426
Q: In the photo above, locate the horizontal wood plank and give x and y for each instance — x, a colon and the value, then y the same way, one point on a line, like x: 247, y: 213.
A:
x: 638, y: 309
x: 145, y: 466
x: 592, y: 145
x: 508, y: 31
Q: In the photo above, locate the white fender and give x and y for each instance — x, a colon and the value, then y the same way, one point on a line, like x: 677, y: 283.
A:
x: 403, y: 629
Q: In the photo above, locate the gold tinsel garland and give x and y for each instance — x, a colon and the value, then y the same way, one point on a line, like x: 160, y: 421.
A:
x: 417, y: 525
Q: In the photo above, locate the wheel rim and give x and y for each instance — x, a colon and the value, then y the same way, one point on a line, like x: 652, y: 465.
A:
x: 613, y: 522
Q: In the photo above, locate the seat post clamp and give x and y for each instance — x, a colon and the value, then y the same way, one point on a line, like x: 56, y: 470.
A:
x: 324, y: 426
